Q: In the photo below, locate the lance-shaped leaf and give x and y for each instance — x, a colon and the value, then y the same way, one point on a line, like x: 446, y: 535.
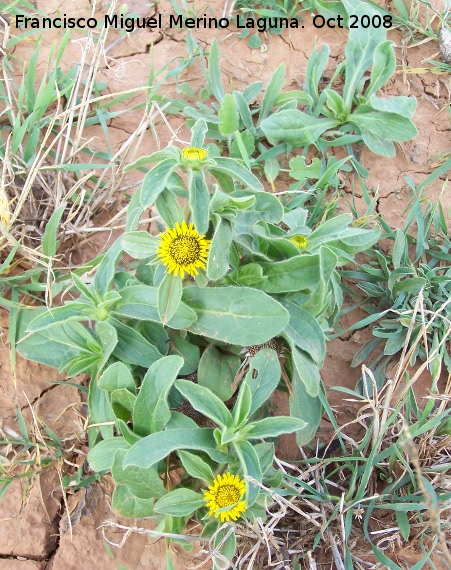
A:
x: 272, y: 427
x: 169, y: 296
x: 198, y: 133
x: 263, y: 377
x: 295, y: 127
x: 235, y: 169
x: 180, y: 503
x: 238, y: 315
x: 303, y: 329
x: 141, y: 301
x: 151, y: 411
x: 153, y: 184
x: 155, y: 447
x: 199, y: 202
x: 305, y: 407
x: 251, y: 468
x: 218, y: 256
x: 204, y: 401
x: 228, y: 114
x: 295, y: 274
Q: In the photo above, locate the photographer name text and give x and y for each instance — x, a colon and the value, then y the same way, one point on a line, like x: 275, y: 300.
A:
x: 130, y: 24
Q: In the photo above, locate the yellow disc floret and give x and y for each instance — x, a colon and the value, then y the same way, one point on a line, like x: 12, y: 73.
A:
x: 300, y: 241
x: 183, y: 250
x: 224, y: 497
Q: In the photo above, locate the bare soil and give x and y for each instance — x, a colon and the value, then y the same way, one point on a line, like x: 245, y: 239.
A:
x: 35, y: 531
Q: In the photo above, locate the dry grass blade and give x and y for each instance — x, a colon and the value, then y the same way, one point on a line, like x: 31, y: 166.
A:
x: 58, y: 167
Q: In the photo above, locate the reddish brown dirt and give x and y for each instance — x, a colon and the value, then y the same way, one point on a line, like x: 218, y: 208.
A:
x: 34, y: 533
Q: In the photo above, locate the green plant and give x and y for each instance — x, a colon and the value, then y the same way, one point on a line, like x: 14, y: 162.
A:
x: 412, y: 278
x: 392, y: 470
x: 253, y: 319
x: 264, y: 136
x: 358, y: 114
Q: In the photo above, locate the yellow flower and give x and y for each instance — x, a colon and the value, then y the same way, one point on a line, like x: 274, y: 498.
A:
x: 224, y: 497
x: 183, y: 250
x: 299, y: 241
x: 193, y: 157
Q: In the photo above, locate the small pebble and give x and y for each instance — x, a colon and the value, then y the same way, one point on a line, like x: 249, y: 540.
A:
x: 445, y: 45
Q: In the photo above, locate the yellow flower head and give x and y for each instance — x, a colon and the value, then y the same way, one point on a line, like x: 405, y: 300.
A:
x: 183, y: 250
x: 193, y: 157
x: 224, y: 497
x: 300, y: 241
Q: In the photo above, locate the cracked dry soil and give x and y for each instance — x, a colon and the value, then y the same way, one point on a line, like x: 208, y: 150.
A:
x: 40, y: 529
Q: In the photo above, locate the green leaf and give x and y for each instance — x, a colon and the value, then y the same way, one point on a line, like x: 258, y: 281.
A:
x: 126, y: 504
x: 306, y: 408
x: 122, y: 402
x: 399, y: 248
x: 101, y: 415
x: 300, y: 97
x: 132, y: 347
x: 198, y: 133
x: 384, y: 66
x: 199, y: 202
x: 295, y: 127
x: 188, y: 351
x: 117, y: 376
x: 360, y: 49
x: 108, y: 339
x: 140, y: 245
x: 107, y: 269
x: 204, y: 401
x: 140, y: 302
x: 251, y: 468
x: 196, y: 466
x: 403, y: 524
x: 308, y: 371
x: 101, y: 456
x: 169, y: 209
x: 254, y: 42
x: 300, y: 273
x: 390, y: 126
x: 304, y: 330
x: 272, y: 427
x: 242, y: 407
x: 217, y: 370
x: 263, y: 377
x: 144, y: 483
x: 272, y: 92
x: 49, y: 242
x: 301, y: 171
x: 245, y: 114
x: 180, y: 503
x: 151, y: 412
x: 157, y: 446
x: 54, y: 346
x: 234, y: 169
x: 238, y: 315
x: 218, y: 256
x: 404, y: 106
x: 228, y: 115
x: 153, y: 184
x: 169, y: 296
x: 72, y: 311
x: 214, y: 72
x: 335, y: 103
